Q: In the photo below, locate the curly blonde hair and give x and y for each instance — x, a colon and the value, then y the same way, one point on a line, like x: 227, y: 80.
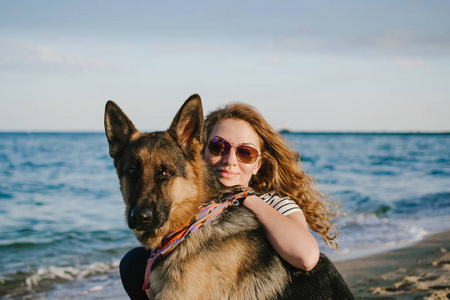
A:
x: 281, y: 170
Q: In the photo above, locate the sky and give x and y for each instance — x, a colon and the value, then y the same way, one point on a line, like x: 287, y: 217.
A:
x: 305, y: 65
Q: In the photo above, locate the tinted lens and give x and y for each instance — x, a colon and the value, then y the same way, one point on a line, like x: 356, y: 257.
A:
x: 246, y: 154
x: 218, y: 147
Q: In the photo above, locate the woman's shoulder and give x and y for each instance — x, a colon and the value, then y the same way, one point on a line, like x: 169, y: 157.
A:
x: 274, y: 196
x: 283, y: 204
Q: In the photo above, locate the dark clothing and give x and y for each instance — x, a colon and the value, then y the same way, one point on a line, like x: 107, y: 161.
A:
x: 132, y: 272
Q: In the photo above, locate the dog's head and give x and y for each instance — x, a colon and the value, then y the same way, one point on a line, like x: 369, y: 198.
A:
x: 161, y: 174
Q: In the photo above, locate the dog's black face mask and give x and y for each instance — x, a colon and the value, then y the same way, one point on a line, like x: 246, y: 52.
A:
x: 147, y: 170
x: 144, y: 179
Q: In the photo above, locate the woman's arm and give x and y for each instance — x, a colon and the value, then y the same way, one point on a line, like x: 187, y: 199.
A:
x: 289, y: 235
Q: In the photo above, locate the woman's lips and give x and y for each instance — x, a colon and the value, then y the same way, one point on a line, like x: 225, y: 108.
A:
x: 226, y: 173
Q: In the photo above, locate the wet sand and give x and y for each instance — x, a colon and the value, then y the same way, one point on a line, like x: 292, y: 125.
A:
x: 421, y: 271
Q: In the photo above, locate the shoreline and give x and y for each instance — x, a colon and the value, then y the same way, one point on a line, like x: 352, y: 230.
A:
x: 418, y: 271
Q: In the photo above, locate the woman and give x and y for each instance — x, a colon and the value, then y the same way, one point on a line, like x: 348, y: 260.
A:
x: 243, y: 149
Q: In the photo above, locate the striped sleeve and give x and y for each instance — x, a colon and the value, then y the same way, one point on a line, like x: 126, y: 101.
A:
x: 284, y: 205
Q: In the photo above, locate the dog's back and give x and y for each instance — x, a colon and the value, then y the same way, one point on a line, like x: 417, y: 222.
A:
x: 231, y: 258
x: 164, y: 180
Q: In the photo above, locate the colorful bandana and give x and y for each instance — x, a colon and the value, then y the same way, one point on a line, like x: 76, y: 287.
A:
x: 207, y: 214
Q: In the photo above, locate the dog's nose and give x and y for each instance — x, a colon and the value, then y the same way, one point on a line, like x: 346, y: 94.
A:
x: 140, y: 217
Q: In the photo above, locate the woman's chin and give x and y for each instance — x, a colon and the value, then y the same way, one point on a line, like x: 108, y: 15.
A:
x: 226, y: 181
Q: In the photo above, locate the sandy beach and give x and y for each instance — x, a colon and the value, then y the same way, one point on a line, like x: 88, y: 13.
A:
x: 421, y: 271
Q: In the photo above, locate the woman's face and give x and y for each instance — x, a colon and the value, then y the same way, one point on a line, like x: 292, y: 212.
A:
x: 227, y: 167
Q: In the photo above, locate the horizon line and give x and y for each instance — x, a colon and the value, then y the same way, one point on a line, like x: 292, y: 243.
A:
x: 282, y: 131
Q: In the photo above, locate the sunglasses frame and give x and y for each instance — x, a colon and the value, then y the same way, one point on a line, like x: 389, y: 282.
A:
x: 228, y: 147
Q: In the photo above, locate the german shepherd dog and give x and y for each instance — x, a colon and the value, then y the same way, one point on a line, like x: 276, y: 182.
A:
x: 164, y: 180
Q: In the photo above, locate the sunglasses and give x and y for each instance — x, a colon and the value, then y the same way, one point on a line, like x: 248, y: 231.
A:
x: 245, y: 154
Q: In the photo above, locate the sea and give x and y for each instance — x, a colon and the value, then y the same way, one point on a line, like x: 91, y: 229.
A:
x: 62, y: 224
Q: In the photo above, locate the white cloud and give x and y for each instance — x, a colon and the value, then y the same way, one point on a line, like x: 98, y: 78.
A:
x: 384, y: 43
x: 15, y: 54
x: 409, y: 63
x: 392, y: 39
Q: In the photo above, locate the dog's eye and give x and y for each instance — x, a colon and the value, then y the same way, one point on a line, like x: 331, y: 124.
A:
x: 167, y: 173
x: 132, y: 171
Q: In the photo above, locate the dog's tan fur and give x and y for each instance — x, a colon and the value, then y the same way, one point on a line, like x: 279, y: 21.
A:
x: 201, y: 269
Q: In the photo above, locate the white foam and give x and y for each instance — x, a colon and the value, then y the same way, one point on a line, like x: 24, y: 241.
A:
x: 56, y: 273
x: 368, y: 234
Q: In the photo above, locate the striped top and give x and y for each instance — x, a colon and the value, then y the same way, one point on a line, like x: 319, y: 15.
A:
x: 284, y: 205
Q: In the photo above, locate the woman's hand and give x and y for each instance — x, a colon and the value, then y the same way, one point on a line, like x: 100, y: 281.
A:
x: 289, y: 235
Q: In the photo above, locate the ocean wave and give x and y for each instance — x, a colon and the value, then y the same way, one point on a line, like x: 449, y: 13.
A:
x: 439, y: 173
x: 6, y: 195
x: 43, y: 279
x: 58, y: 274
x: 372, y: 230
x: 18, y: 245
x: 437, y: 203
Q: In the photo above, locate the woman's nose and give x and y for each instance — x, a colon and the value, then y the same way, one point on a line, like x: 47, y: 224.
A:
x: 231, y: 157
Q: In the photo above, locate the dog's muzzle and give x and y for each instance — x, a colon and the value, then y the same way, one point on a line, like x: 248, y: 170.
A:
x: 140, y: 218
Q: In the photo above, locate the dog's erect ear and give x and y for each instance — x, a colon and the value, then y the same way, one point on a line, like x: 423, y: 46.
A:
x: 187, y: 126
x: 118, y: 129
